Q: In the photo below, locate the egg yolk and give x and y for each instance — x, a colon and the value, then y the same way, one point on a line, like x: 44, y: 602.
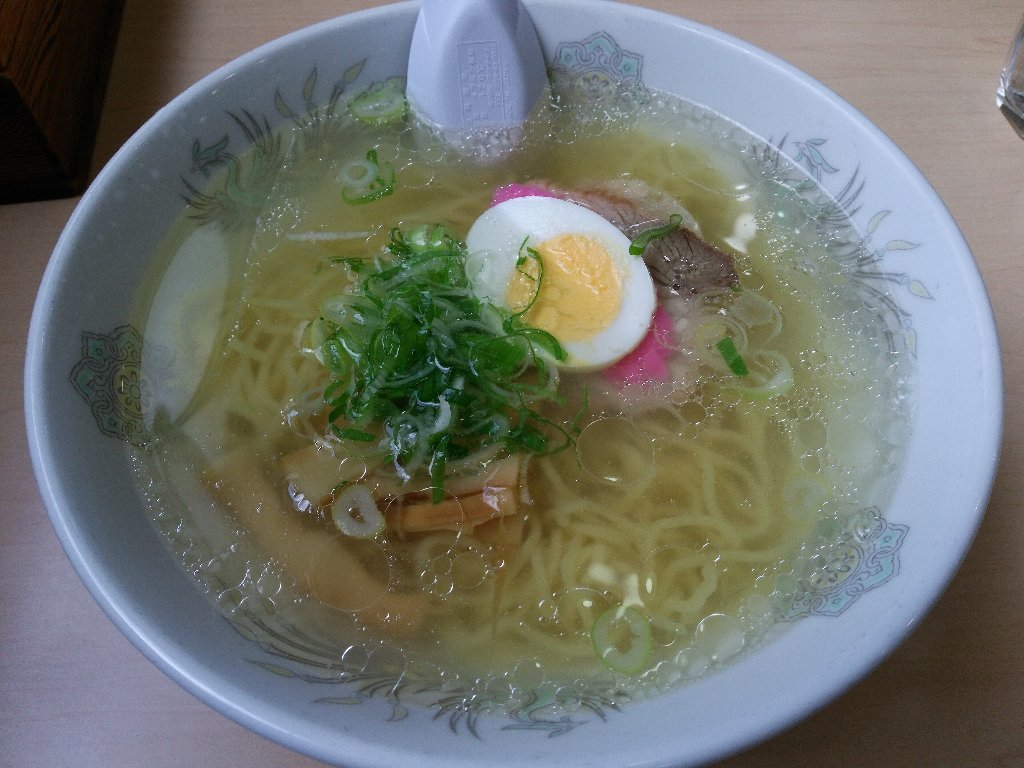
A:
x: 580, y: 287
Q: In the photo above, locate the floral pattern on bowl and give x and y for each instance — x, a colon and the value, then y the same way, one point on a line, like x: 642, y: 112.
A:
x: 111, y: 380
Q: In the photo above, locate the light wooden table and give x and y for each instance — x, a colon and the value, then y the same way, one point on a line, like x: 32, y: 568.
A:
x: 73, y: 692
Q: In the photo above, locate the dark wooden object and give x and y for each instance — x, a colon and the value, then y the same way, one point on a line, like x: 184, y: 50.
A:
x: 54, y: 60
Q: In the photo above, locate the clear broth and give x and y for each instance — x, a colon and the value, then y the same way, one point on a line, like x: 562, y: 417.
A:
x: 708, y: 508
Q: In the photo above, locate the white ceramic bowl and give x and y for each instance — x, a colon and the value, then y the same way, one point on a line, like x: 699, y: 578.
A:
x: 80, y: 446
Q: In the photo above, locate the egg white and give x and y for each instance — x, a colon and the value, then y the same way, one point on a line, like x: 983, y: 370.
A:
x: 494, y: 243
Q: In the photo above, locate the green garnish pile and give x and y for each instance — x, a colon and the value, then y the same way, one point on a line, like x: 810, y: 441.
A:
x: 425, y: 371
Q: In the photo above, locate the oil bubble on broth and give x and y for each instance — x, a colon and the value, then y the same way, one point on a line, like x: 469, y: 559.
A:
x: 684, y: 513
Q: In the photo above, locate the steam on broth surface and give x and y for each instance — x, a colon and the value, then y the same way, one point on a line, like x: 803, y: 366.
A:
x: 685, y: 510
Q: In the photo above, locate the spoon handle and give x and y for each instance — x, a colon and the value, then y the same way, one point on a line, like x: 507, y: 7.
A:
x: 474, y: 64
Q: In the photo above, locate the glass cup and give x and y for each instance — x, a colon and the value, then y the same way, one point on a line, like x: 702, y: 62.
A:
x: 1010, y: 90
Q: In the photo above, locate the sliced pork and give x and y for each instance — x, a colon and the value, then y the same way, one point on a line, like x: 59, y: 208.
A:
x: 681, y: 261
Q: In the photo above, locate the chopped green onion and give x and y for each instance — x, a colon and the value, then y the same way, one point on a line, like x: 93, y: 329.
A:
x: 732, y: 357
x: 347, y: 433
x: 380, y: 181
x: 355, y: 513
x: 437, y: 465
x: 770, y: 374
x: 425, y: 237
x: 380, y: 104
x: 358, y: 173
x: 622, y: 639
x: 525, y: 254
x: 639, y: 243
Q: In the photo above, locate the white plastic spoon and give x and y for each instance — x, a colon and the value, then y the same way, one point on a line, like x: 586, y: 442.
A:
x: 475, y: 69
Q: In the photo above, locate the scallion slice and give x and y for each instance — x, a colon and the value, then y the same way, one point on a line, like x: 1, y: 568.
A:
x: 769, y: 374
x: 380, y: 105
x: 381, y: 182
x: 732, y: 356
x: 526, y: 256
x: 639, y: 243
x: 358, y: 173
x: 355, y: 513
x: 622, y: 639
x: 348, y: 433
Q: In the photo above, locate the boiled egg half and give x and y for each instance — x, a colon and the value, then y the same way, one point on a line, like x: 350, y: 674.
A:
x: 567, y: 271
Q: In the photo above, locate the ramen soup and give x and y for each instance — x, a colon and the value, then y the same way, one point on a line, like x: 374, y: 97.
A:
x: 595, y: 415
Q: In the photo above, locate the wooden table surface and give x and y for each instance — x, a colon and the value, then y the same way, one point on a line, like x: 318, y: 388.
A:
x: 74, y: 692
